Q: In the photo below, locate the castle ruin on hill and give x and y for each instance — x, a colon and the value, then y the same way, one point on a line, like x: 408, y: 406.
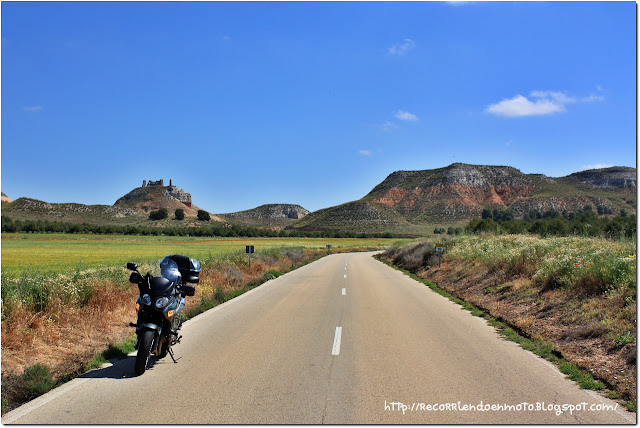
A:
x: 174, y: 191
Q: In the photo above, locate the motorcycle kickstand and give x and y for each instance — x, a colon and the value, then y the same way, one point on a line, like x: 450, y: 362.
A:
x: 171, y: 355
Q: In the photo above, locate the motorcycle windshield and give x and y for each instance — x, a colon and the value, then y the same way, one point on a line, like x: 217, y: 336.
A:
x: 161, y: 287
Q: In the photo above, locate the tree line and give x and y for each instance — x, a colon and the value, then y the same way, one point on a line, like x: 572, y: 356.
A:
x: 552, y: 222
x: 215, y: 230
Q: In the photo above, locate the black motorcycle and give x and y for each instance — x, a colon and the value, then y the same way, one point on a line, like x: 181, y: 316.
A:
x: 161, y: 299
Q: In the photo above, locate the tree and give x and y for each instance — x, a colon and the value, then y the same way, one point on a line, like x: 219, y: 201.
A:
x: 7, y: 224
x: 159, y: 214
x: 507, y: 216
x: 179, y: 214
x: 203, y: 215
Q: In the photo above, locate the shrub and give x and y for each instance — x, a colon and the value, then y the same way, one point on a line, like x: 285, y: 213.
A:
x: 37, y: 379
x: 271, y: 274
x: 159, y: 214
x: 203, y: 215
x: 296, y: 256
x: 413, y: 257
x: 179, y: 214
x: 219, y: 295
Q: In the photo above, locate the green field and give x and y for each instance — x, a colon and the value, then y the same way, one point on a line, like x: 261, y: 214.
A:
x: 57, y: 253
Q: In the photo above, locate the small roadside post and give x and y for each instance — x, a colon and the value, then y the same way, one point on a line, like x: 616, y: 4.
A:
x: 328, y: 248
x: 250, y: 250
x: 439, y: 250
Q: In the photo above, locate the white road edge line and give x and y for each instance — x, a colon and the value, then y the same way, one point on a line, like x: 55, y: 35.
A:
x: 344, y: 291
x: 336, y: 342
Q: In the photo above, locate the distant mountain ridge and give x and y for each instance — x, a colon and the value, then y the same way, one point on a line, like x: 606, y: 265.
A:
x: 274, y: 215
x: 135, y: 206
x: 405, y: 200
x: 617, y: 177
x: 33, y: 209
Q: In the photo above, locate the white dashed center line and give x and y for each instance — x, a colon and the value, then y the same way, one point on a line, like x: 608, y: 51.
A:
x: 336, y: 342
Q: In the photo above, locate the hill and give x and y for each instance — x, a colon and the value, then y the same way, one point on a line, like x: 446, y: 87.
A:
x: 5, y: 198
x: 132, y: 208
x: 407, y: 201
x: 153, y: 197
x: 33, y: 209
x: 271, y: 215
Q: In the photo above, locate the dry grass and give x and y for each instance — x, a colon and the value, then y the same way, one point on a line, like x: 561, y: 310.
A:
x: 412, y: 257
x: 62, y: 332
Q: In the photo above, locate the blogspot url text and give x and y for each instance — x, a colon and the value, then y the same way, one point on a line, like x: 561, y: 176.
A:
x: 557, y: 409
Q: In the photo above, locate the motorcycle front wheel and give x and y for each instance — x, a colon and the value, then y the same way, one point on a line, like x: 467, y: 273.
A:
x: 144, y: 351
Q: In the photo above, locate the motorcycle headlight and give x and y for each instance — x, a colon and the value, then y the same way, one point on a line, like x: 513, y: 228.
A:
x: 162, y: 302
x: 146, y: 299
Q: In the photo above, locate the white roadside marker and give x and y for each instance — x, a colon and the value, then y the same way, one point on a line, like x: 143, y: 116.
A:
x: 336, y: 342
x: 345, y: 275
x: 344, y: 291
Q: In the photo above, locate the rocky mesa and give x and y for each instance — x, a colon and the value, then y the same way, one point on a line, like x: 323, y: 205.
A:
x: 407, y: 199
x: 153, y: 195
x: 269, y: 215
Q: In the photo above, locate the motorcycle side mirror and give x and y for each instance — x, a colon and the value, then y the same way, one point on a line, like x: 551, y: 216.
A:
x: 135, y: 278
x: 132, y: 266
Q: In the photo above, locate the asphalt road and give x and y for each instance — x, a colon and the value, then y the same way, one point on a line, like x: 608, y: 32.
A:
x: 343, y: 340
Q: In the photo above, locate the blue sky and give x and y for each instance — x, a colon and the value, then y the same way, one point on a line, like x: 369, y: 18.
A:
x: 243, y: 104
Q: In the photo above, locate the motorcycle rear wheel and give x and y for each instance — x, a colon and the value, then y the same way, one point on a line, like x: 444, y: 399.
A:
x: 144, y: 352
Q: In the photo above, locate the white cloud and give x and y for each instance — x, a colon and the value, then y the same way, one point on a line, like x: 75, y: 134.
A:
x: 558, y: 97
x: 388, y: 125
x: 33, y: 108
x: 539, y: 103
x: 364, y: 152
x: 592, y: 98
x: 402, y: 115
x: 522, y: 106
x: 597, y: 166
x: 405, y: 115
x: 402, y: 48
